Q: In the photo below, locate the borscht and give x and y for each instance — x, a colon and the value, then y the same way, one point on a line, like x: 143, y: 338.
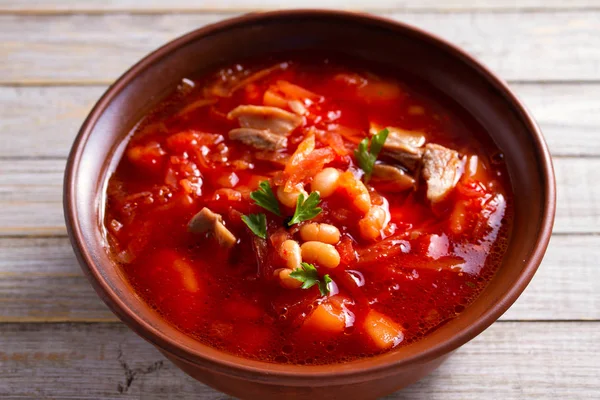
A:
x: 309, y: 210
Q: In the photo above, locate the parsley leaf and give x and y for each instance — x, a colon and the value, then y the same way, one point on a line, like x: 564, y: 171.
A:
x: 366, y: 158
x: 309, y: 276
x: 265, y: 198
x: 257, y: 224
x: 324, y: 286
x: 306, y: 210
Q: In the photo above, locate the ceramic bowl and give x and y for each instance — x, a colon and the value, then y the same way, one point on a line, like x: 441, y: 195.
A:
x: 99, y: 145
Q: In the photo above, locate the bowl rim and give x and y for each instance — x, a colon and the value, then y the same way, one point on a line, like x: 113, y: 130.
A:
x: 251, y: 369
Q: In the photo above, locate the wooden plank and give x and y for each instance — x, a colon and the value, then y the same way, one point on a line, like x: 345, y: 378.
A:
x: 31, y: 196
x: 565, y: 285
x: 97, y: 48
x: 40, y: 281
x: 158, y: 6
x: 578, y: 195
x: 569, y: 115
x: 107, y: 361
x: 43, y: 121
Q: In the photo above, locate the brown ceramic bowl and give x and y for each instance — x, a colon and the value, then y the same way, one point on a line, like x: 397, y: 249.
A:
x: 99, y: 145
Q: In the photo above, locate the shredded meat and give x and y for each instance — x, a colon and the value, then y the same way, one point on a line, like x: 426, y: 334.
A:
x: 393, y: 178
x: 402, y: 145
x: 259, y: 139
x: 229, y: 81
x: 442, y: 169
x: 273, y: 119
x: 206, y: 221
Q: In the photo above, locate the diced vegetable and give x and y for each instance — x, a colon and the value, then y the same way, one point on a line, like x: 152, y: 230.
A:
x: 327, y: 317
x: 149, y: 156
x: 384, y: 332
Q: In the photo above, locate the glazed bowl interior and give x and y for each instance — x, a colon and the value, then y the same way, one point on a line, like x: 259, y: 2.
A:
x: 100, y: 144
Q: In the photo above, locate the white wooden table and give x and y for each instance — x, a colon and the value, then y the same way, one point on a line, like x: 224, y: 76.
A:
x: 58, y: 340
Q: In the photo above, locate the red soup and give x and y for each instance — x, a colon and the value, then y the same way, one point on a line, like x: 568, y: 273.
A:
x: 308, y: 211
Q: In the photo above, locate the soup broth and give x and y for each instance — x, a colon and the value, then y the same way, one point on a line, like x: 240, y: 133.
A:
x: 309, y: 210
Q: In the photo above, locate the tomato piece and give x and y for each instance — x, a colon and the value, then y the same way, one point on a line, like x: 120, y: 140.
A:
x: 149, y: 157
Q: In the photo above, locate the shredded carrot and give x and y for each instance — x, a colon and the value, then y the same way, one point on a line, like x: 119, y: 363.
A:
x: 273, y: 99
x: 296, y: 92
x: 351, y: 135
x: 302, y: 151
x: 335, y: 141
x: 195, y: 105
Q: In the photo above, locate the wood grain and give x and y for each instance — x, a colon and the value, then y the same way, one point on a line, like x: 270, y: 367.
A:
x: 107, y: 361
x: 43, y: 121
x: 90, y: 48
x: 158, y: 6
x: 31, y: 196
x: 40, y: 281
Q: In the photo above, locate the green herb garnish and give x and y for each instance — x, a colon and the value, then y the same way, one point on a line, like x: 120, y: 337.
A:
x: 257, y: 224
x: 265, y: 198
x: 309, y: 277
x: 366, y: 157
x: 324, y: 286
x: 306, y: 210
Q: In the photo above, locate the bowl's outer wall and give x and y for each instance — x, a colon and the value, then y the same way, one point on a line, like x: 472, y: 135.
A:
x: 380, y: 41
x: 364, y: 390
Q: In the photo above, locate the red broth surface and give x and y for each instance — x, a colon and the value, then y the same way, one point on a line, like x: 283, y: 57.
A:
x: 407, y: 263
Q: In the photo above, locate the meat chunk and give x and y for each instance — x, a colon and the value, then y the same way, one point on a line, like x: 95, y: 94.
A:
x: 442, y: 168
x: 260, y: 139
x: 394, y: 179
x: 402, y: 145
x: 206, y: 221
x: 203, y: 221
x: 228, y: 82
x: 273, y: 119
x: 224, y: 236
